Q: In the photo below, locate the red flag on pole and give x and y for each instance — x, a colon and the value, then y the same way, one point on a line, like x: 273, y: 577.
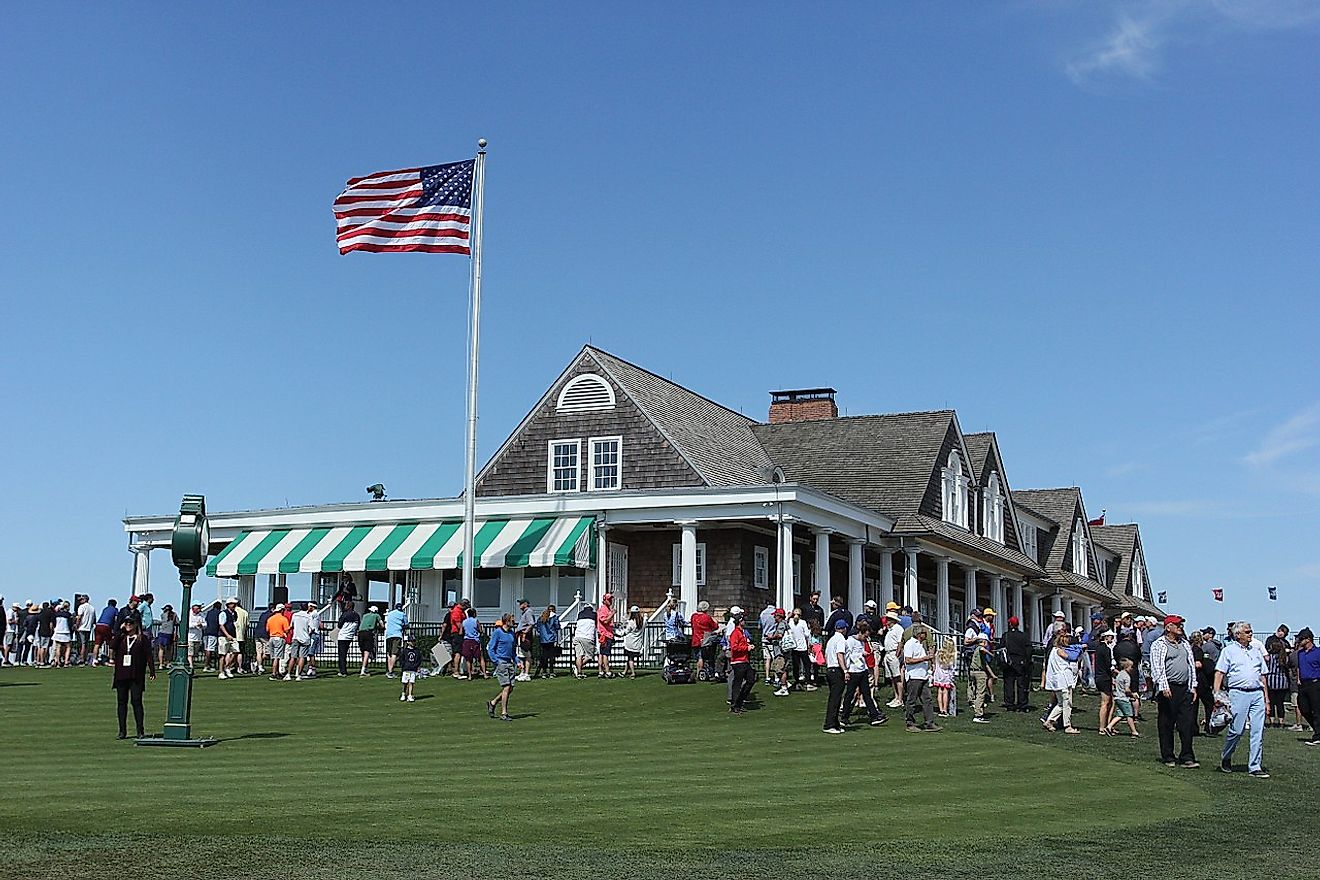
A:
x: 1219, y: 594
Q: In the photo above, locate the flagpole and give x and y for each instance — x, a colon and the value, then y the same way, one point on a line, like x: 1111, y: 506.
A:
x: 474, y: 325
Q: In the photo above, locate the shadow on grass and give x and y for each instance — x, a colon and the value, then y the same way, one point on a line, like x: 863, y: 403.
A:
x: 270, y: 735
x: 18, y: 684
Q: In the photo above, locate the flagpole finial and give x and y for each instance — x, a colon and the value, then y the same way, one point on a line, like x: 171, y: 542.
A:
x: 481, y: 143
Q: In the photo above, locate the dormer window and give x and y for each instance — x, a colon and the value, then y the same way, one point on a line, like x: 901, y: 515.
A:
x: 1080, y: 549
x: 955, y: 488
x: 992, y: 510
x: 586, y: 393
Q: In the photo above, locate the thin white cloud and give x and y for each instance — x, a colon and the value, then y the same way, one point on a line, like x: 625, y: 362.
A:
x: 1131, y: 49
x: 1296, y: 434
x: 1309, y: 570
x: 1122, y: 469
x: 1186, y: 507
x: 1135, y: 46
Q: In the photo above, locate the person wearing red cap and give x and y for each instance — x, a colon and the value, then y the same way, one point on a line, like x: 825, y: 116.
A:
x: 1017, y: 668
x: 1173, y: 670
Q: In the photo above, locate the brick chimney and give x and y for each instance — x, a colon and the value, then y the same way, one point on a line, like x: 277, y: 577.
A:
x: 802, y: 405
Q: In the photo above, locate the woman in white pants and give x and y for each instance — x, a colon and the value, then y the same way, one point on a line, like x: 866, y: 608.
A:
x: 1061, y: 678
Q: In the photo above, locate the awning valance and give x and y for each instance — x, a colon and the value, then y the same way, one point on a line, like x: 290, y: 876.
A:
x: 499, y: 543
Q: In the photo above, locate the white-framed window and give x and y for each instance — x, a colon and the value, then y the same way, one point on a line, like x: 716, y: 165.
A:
x: 586, y: 393
x: 1102, y: 569
x: 1080, y: 553
x: 701, y: 565
x: 761, y: 567
x: 606, y: 463
x: 955, y: 492
x: 1027, y: 532
x: 564, y: 470
x: 992, y: 516
x: 797, y: 573
x: 1138, y: 577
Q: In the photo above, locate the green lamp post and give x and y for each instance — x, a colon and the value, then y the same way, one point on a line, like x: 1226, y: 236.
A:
x: 189, y: 546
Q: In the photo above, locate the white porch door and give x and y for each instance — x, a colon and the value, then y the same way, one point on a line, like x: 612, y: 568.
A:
x: 616, y: 573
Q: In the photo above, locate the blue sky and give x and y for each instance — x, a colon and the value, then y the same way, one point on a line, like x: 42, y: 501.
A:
x: 1091, y: 227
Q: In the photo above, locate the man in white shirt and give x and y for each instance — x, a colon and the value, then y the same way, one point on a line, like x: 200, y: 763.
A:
x: 918, y: 653
x: 797, y: 639
x: 893, y: 658
x: 835, y: 649
x: 86, y: 615
x: 859, y: 677
x: 304, y: 623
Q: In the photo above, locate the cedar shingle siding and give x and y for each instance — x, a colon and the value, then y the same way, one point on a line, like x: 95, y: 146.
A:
x: 648, y: 460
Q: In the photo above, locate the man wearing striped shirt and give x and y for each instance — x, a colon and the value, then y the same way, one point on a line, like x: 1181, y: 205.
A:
x: 1173, y: 670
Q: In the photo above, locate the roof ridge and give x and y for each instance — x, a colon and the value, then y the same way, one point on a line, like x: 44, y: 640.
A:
x: 860, y: 416
x: 602, y: 352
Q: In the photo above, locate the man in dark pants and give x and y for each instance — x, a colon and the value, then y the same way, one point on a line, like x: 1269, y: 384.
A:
x: 1173, y: 670
x: 859, y: 677
x: 1017, y: 669
x: 813, y: 611
x: 1308, y: 682
x: 835, y: 650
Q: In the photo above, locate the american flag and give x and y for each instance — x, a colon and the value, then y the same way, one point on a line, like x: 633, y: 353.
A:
x: 416, y: 209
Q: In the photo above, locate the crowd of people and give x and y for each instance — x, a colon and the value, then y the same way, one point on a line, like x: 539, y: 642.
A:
x: 1201, y: 685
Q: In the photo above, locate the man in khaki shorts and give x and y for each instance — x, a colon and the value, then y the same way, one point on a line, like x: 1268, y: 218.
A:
x: 893, y: 642
x: 277, y: 625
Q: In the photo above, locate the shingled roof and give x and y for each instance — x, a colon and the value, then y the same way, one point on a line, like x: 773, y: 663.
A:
x: 1123, y: 539
x: 1064, y: 506
x: 715, y: 440
x: 979, y: 446
x: 883, y: 462
x: 992, y: 551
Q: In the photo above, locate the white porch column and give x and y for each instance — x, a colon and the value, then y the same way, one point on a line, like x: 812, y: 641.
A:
x: 823, y: 564
x: 1033, y: 603
x: 1056, y: 603
x: 886, y: 577
x: 1068, y: 613
x: 786, y: 598
x: 856, y: 567
x: 910, y: 579
x: 603, y: 558
x: 687, y: 568
x: 997, y: 601
x: 141, y: 569
x: 942, y: 593
x: 1017, y: 598
x: 969, y: 589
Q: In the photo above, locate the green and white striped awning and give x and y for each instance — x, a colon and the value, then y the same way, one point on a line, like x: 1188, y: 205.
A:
x: 499, y: 543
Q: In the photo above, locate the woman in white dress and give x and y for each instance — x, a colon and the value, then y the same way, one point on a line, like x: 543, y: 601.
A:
x: 1061, y: 678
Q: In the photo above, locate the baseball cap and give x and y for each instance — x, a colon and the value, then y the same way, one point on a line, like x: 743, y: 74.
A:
x: 1013, y: 621
x: 736, y: 610
x: 608, y: 596
x: 1096, y: 615
x: 1058, y: 614
x: 634, y: 609
x: 279, y: 607
x: 1174, y: 619
x: 233, y: 600
x: 375, y: 608
x: 840, y: 624
x: 870, y: 603
x: 779, y: 612
x: 523, y: 602
x: 983, y: 637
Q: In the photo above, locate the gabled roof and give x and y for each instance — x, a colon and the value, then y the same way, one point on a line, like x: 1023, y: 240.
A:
x: 1122, y: 539
x: 714, y: 439
x: 1064, y: 506
x: 984, y: 450
x: 980, y: 447
x: 884, y: 462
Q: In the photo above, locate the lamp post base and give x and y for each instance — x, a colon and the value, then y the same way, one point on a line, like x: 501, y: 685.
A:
x: 166, y: 741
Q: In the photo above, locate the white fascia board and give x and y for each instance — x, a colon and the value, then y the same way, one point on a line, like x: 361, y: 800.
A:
x: 737, y: 502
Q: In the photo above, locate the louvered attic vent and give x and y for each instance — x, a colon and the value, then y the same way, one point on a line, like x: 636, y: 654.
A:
x: 586, y: 393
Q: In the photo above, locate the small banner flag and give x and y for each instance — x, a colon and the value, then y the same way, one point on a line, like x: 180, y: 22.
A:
x: 1219, y: 594
x: 1274, y: 594
x: 1164, y: 597
x: 1098, y: 521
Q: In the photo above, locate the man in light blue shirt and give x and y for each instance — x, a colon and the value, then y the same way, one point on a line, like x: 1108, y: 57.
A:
x: 396, y: 622
x: 1241, y: 669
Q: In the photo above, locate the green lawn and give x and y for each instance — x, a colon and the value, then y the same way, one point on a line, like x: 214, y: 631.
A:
x: 619, y: 778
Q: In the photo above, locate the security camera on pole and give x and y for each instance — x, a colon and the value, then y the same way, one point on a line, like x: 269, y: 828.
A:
x: 189, y: 546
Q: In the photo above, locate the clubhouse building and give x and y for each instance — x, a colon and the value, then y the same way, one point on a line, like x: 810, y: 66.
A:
x: 621, y: 480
